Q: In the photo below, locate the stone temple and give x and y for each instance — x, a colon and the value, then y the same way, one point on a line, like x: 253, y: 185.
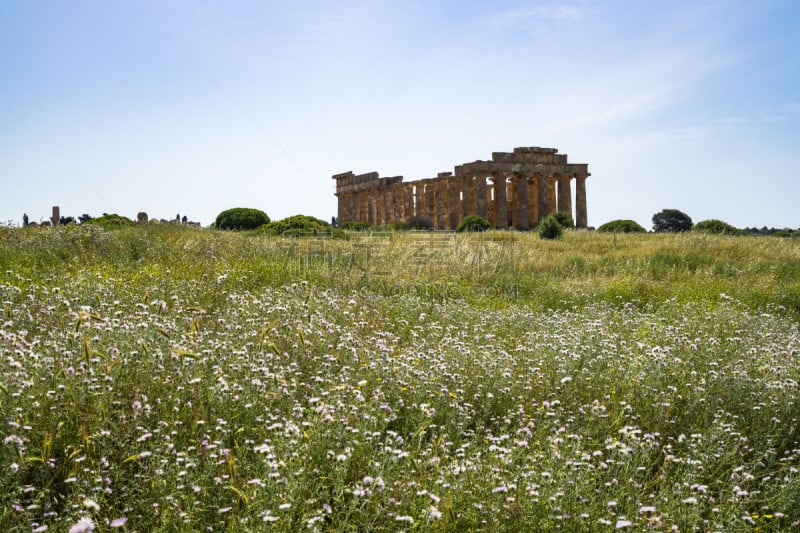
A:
x: 514, y: 189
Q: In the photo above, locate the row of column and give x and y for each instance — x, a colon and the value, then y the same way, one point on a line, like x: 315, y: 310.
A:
x: 507, y: 201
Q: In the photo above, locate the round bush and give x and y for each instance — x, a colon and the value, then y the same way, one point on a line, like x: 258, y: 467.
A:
x: 298, y: 225
x: 473, y: 223
x: 621, y: 226
x: 716, y: 226
x: 241, y: 218
x: 563, y: 219
x: 550, y: 228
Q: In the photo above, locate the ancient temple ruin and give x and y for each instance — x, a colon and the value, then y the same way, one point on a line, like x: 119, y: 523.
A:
x: 515, y: 189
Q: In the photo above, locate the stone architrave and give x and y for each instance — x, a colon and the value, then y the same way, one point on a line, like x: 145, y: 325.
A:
x: 564, y: 195
x: 480, y: 197
x: 521, y: 204
x: 580, y: 202
x: 500, y: 201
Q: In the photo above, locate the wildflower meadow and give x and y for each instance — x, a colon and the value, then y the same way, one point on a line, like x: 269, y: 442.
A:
x: 183, y: 379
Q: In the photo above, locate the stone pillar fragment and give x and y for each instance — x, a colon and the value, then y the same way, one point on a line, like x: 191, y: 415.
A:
x: 581, y: 220
x: 56, y: 218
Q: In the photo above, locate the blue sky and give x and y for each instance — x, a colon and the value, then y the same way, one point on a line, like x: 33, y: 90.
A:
x: 193, y: 107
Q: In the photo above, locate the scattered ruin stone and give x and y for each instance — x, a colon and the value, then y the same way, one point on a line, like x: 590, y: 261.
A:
x: 142, y: 217
x: 523, y: 187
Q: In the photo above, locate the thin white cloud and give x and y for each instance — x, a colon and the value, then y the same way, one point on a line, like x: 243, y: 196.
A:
x: 535, y: 17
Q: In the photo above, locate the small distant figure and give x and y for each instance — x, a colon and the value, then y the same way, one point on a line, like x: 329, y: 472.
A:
x: 178, y: 217
x: 334, y: 222
x: 184, y: 219
x: 24, y: 220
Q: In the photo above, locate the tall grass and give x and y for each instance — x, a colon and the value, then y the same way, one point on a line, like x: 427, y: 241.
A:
x: 178, y: 379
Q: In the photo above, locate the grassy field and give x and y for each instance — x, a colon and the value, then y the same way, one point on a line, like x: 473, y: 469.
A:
x: 164, y: 378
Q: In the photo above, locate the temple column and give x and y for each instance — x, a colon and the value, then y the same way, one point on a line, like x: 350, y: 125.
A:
x: 512, y: 189
x: 372, y: 207
x: 390, y: 205
x: 533, y: 200
x: 580, y: 202
x: 520, y: 207
x: 500, y: 201
x: 441, y: 204
x: 468, y: 196
x: 408, y: 198
x: 564, y: 195
x: 480, y: 197
x: 551, y: 194
x: 364, y: 210
x: 430, y: 201
x: 419, y: 196
x: 454, y: 201
x: 544, y: 199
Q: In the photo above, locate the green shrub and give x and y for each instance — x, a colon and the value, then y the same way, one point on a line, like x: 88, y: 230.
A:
x: 355, y: 225
x: 716, y: 226
x: 241, y: 218
x: 298, y: 225
x: 563, y: 219
x: 108, y: 220
x: 473, y: 223
x: 550, y: 228
x: 621, y: 226
x: 400, y: 226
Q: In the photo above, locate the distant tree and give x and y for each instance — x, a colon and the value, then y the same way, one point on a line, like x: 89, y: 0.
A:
x: 716, y: 226
x: 240, y: 218
x: 67, y: 220
x: 84, y: 218
x: 473, y: 223
x: 550, y: 228
x: 621, y: 226
x: 671, y: 220
x: 24, y: 220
